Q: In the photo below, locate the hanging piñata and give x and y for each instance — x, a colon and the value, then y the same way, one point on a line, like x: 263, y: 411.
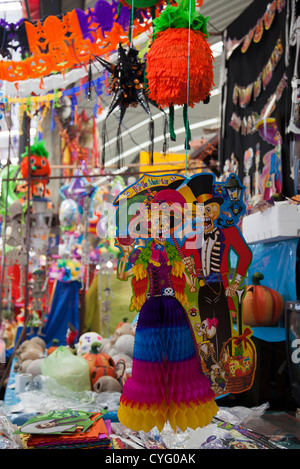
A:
x: 127, y: 89
x: 179, y: 68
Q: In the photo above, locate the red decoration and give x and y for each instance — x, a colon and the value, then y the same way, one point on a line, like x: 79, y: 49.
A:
x: 34, y: 9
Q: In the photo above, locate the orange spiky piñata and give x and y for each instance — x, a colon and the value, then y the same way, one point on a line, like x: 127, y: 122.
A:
x: 179, y: 67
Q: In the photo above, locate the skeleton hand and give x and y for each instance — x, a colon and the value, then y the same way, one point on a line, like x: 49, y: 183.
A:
x: 126, y: 248
x: 232, y: 288
x: 121, y: 275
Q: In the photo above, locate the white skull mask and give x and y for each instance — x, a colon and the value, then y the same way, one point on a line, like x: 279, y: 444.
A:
x: 86, y: 340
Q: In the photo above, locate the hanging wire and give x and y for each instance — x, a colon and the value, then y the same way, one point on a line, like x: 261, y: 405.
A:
x: 131, y: 25
x: 216, y: 29
x: 188, y: 87
x: 4, y: 225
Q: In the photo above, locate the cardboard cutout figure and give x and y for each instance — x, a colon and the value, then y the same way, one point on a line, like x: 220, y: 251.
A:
x: 177, y: 249
x: 220, y: 292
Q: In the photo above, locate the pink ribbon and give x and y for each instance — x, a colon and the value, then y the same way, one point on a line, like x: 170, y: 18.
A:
x: 211, y: 322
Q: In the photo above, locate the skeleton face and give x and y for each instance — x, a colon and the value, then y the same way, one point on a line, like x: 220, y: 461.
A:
x: 211, y: 213
x: 159, y: 226
x: 205, y: 330
x: 233, y: 366
x: 200, y: 328
x: 168, y: 291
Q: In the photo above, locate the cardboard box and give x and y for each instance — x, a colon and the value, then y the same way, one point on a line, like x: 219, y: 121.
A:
x: 282, y: 221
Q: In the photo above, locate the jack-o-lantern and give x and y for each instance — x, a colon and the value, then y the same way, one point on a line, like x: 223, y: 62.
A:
x: 105, y: 366
x: 100, y: 364
x: 12, y: 71
x: 38, y: 64
x: 92, y: 355
x: 39, y: 165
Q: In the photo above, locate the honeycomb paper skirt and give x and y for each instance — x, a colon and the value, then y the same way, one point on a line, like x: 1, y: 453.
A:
x: 167, y: 382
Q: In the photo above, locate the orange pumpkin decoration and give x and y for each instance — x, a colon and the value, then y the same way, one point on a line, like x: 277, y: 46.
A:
x: 53, y: 347
x: 180, y: 57
x: 103, y: 370
x: 262, y: 306
x: 91, y: 356
x: 167, y: 68
x: 125, y: 321
x: 100, y: 364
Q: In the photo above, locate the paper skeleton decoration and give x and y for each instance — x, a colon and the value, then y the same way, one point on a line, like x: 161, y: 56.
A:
x: 176, y: 250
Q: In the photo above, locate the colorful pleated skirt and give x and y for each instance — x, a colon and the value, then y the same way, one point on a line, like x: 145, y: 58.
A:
x: 167, y: 382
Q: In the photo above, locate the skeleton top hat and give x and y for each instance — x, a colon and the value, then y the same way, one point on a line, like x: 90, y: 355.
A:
x: 201, y: 186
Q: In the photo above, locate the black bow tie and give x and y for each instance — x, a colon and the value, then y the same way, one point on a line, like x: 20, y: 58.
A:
x: 209, y: 235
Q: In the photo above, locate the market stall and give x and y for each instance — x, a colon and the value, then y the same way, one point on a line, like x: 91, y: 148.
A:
x: 140, y: 297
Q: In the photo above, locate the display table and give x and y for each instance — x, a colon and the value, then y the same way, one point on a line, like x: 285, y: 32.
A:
x: 224, y: 432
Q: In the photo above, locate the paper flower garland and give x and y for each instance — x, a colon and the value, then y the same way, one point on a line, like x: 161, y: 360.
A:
x: 66, y: 270
x: 58, y: 43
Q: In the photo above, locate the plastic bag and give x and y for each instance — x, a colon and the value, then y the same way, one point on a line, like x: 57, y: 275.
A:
x: 67, y: 370
x: 8, y: 440
x: 240, y: 415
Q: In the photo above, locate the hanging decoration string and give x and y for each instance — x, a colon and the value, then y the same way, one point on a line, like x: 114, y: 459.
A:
x: 130, y: 37
x: 186, y: 114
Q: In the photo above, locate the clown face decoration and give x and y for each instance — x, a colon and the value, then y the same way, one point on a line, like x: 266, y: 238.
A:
x: 38, y: 167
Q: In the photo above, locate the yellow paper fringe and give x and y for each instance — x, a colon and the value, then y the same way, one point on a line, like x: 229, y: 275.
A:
x: 178, y: 271
x: 141, y: 417
x: 137, y: 302
x: 139, y: 271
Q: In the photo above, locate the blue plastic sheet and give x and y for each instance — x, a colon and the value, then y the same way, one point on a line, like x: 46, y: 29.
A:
x: 277, y: 262
x: 64, y: 310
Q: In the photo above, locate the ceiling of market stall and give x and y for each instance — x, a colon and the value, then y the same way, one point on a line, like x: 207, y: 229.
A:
x: 203, y: 118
